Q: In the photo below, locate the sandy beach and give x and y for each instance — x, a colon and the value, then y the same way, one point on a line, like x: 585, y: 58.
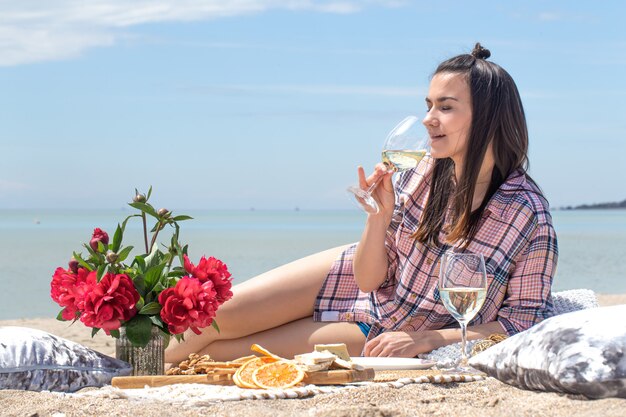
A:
x: 482, y: 398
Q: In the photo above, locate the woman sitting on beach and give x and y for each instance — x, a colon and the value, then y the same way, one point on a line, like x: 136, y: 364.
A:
x: 379, y: 296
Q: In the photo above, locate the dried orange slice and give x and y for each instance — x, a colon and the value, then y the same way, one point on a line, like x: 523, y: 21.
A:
x: 236, y: 379
x: 260, y: 349
x: 279, y: 374
x: 243, y: 376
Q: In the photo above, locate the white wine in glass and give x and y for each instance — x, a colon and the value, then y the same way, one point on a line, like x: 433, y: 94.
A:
x: 404, y: 148
x: 463, y: 303
x: 403, y: 160
x: 463, y: 288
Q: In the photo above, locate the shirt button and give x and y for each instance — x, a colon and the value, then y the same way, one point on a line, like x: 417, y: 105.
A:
x: 348, y: 316
x: 413, y: 296
x: 429, y: 261
x: 394, y: 319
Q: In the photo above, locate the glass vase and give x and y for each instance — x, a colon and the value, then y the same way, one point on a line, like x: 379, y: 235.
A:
x: 149, y: 360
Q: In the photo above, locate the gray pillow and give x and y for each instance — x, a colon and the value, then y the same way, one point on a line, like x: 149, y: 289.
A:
x: 583, y: 352
x: 35, y: 360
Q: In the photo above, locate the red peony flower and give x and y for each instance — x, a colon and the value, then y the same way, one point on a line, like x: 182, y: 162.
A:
x: 214, y: 270
x: 190, y: 304
x: 99, y: 235
x: 110, y: 302
x: 68, y: 289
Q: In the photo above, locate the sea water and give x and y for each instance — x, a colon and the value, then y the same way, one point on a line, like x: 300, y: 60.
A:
x: 34, y: 243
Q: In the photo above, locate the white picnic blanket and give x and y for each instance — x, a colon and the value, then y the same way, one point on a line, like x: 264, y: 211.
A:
x: 198, y: 395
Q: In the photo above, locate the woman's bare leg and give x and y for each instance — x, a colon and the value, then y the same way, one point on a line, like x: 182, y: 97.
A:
x: 289, y: 339
x: 269, y: 300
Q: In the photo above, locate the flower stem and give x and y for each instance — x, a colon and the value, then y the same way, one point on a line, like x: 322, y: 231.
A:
x: 169, y: 264
x: 145, y: 231
x: 156, y: 233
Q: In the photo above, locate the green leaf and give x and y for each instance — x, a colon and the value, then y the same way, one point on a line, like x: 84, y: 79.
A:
x: 177, y: 273
x: 156, y: 320
x: 60, y: 316
x: 154, y: 257
x: 166, y: 339
x: 153, y: 275
x: 167, y: 257
x: 146, y: 208
x: 151, y: 308
x: 149, y: 193
x: 82, y: 262
x: 101, y: 247
x: 117, y: 238
x: 181, y: 252
x: 181, y: 218
x: 141, y: 263
x: 101, y: 271
x: 94, y: 331
x: 91, y: 251
x: 115, y: 333
x: 140, y: 303
x: 140, y: 285
x: 124, y: 253
x: 158, y: 287
x: 138, y: 330
x: 215, y: 326
x: 127, y: 219
x: 156, y: 226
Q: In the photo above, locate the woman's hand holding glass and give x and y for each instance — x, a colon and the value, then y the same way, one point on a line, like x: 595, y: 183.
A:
x: 404, y: 148
x: 382, y: 190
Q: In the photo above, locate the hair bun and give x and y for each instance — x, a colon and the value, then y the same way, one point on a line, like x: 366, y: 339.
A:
x: 480, y: 53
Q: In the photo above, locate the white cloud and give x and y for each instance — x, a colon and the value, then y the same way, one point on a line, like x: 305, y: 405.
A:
x: 39, y: 30
x: 20, y: 45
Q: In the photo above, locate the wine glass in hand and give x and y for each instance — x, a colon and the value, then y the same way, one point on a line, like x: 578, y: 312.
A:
x: 404, y: 148
x: 463, y: 288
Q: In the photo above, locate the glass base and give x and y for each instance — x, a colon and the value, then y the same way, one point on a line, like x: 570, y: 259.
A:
x: 364, y: 199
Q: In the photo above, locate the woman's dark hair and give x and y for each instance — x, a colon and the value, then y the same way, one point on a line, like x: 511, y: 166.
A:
x: 497, y: 118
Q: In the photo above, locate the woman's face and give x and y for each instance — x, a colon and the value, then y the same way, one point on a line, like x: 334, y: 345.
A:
x: 449, y: 116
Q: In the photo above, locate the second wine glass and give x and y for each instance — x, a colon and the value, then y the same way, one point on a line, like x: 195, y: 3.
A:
x: 463, y: 288
x: 404, y: 148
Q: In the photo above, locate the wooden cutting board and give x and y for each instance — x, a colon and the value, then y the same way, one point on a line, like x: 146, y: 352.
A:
x: 317, y: 378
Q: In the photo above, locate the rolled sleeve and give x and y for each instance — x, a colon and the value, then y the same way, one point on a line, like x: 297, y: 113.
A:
x: 528, y: 299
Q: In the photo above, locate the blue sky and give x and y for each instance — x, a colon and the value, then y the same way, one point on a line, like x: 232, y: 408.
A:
x: 273, y: 104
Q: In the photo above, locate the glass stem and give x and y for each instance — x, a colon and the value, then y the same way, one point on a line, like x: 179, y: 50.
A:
x: 373, y: 186
x: 463, y: 343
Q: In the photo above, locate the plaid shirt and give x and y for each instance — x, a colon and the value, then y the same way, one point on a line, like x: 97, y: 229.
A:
x: 515, y: 236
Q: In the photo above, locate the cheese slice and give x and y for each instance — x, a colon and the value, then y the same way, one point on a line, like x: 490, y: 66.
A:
x: 341, y: 364
x: 338, y: 349
x: 314, y: 358
x: 315, y: 361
